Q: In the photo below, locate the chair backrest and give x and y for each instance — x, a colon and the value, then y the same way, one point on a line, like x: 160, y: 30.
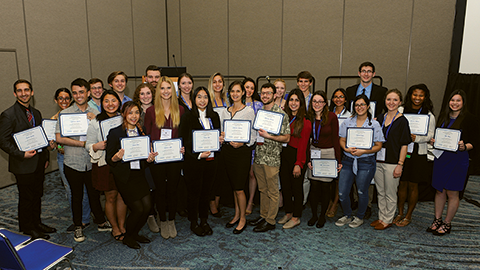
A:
x: 9, y: 258
x: 16, y: 239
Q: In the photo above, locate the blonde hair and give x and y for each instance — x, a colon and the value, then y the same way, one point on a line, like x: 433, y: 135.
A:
x: 159, y: 111
x: 284, y: 85
x: 211, y: 92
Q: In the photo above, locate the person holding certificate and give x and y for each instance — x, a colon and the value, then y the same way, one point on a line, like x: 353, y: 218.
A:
x: 200, y: 167
x: 102, y: 178
x: 451, y: 167
x: 360, y: 145
x: 390, y: 159
x: 324, y: 145
x: 237, y: 155
x: 252, y: 100
x: 130, y: 175
x: 416, y: 168
x: 185, y: 85
x: 145, y: 97
x: 161, y: 123
x: 293, y: 159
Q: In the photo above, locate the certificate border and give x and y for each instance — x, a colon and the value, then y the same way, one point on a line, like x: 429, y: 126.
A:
x: 343, y: 118
x: 15, y: 135
x: 101, y: 129
x: 61, y: 128
x: 421, y: 115
x: 239, y: 120
x: 49, y: 120
x: 167, y: 160
x: 271, y: 112
x: 326, y: 176
x: 132, y: 138
x: 448, y: 149
x: 371, y: 143
x: 205, y: 150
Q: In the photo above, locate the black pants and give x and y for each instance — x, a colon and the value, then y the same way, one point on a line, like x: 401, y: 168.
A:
x: 292, y: 187
x: 199, y: 181
x: 30, y: 192
x: 321, y: 192
x: 76, y: 180
x: 166, y: 177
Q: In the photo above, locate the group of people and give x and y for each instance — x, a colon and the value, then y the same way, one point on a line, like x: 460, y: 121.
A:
x: 278, y: 164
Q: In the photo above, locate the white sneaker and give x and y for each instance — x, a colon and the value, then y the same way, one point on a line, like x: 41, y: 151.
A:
x: 172, y: 229
x: 343, y: 221
x: 78, y: 235
x: 356, y: 222
x: 152, y: 224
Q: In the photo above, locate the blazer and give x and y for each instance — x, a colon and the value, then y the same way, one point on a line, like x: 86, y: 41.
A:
x: 378, y: 95
x: 14, y: 120
x: 121, y: 170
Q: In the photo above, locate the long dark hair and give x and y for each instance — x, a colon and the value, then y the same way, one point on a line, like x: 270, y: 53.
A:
x: 332, y: 104
x: 311, y: 111
x: 427, y: 105
x: 126, y: 108
x: 367, y: 101
x: 103, y: 114
x: 230, y: 87
x: 255, y: 96
x: 209, y: 109
x: 298, y: 123
x: 445, y: 114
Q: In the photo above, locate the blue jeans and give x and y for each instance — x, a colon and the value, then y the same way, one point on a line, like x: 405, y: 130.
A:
x: 366, y: 171
x: 85, y: 203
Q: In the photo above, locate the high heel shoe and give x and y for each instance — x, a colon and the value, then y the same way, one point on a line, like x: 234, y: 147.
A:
x: 312, y: 221
x: 445, y: 229
x: 436, y: 223
x: 235, y: 231
x: 230, y: 225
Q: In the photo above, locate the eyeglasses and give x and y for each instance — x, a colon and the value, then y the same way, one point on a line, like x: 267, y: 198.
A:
x: 266, y: 93
x: 366, y: 71
x: 338, y: 97
x: 318, y: 102
x: 63, y: 99
x: 360, y: 105
x: 97, y: 88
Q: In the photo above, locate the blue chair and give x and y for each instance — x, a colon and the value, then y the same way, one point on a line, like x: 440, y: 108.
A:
x: 16, y: 239
x: 38, y: 254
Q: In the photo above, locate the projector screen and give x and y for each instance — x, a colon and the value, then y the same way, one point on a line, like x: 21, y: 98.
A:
x: 470, y: 54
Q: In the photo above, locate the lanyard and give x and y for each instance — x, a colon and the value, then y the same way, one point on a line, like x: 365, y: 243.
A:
x: 216, y: 105
x: 390, y: 126
x: 315, y: 136
x: 449, y: 124
x: 419, y: 111
x: 341, y: 113
x: 293, y: 120
x: 186, y: 102
x: 209, y: 120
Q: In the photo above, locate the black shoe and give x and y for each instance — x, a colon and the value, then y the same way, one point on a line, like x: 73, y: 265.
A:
x: 45, y: 229
x: 206, y: 228
x: 217, y: 214
x: 445, y: 227
x: 264, y: 227
x: 35, y: 234
x: 130, y: 242
x: 312, y: 221
x: 230, y: 225
x: 235, y: 231
x: 256, y: 221
x: 354, y: 205
x: 142, y: 239
x: 71, y: 228
x: 368, y: 213
x: 196, y: 229
x: 321, y: 222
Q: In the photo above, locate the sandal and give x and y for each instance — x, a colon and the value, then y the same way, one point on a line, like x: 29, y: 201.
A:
x: 435, y: 225
x: 333, y: 211
x: 443, y: 229
x: 404, y: 222
x: 397, y: 219
x: 118, y: 237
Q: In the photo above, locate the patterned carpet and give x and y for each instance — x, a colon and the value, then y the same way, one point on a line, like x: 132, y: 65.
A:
x: 303, y: 247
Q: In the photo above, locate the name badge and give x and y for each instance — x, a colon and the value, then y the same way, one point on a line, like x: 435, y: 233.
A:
x: 284, y: 144
x: 381, y: 154
x: 315, y: 154
x: 165, y: 134
x: 410, y: 148
x: 135, y: 165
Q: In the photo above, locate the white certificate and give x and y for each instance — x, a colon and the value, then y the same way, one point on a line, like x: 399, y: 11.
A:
x: 136, y: 148
x: 447, y: 139
x: 361, y: 138
x: 73, y: 124
x: 108, y: 124
x: 206, y: 140
x: 237, y: 130
x: 168, y: 150
x: 325, y: 168
x: 269, y: 121
x: 31, y: 139
x: 341, y: 120
x: 49, y: 126
x: 418, y: 123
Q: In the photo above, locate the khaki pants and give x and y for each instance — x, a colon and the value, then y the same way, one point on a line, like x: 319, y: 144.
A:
x: 267, y: 179
x: 387, y: 187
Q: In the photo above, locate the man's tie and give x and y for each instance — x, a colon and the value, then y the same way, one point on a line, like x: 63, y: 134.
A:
x: 363, y: 91
x: 30, y: 117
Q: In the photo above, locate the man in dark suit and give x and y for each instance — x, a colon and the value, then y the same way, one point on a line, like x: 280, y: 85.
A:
x: 374, y: 92
x: 28, y: 167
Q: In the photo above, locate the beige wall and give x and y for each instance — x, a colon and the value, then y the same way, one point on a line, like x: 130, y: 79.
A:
x: 409, y: 41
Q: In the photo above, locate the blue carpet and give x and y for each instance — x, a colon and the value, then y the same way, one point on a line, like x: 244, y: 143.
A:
x: 303, y: 247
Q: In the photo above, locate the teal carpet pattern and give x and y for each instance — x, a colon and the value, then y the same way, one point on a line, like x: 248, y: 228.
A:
x: 302, y: 247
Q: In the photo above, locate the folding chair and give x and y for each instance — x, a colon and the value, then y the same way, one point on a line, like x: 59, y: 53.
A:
x: 16, y: 239
x: 38, y: 254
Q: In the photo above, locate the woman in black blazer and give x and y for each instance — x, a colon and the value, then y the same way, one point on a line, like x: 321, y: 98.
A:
x: 130, y: 181
x: 199, y: 168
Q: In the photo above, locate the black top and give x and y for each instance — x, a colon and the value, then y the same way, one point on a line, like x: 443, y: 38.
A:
x: 377, y: 95
x: 470, y: 128
x: 398, y: 135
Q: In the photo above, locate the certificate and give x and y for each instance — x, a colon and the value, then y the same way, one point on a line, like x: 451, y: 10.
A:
x: 447, y: 139
x: 341, y: 120
x: 361, y: 138
x: 31, y: 139
x: 418, y: 123
x: 237, y: 130
x: 73, y: 124
x: 269, y: 121
x: 135, y: 147
x: 325, y: 168
x: 206, y: 140
x: 168, y: 150
x: 108, y: 124
x: 49, y: 126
